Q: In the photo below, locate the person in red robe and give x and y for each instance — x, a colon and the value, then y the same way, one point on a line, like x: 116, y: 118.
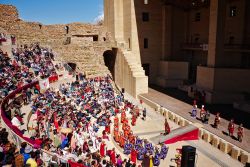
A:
x: 102, y: 149
x: 133, y: 122
x: 121, y: 140
x: 231, y: 128
x: 133, y: 155
x: 107, y: 127
x: 113, y: 156
x: 123, y: 116
x: 116, y: 121
x: 167, y: 128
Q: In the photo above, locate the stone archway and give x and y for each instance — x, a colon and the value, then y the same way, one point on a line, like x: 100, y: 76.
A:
x: 109, y: 60
x: 71, y: 67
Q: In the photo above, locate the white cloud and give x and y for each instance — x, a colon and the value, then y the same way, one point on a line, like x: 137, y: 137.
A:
x: 100, y: 17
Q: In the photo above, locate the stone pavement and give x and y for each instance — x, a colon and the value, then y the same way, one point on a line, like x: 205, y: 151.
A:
x: 184, y: 109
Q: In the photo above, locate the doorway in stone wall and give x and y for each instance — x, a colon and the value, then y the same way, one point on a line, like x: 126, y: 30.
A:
x: 71, y: 67
x: 109, y: 60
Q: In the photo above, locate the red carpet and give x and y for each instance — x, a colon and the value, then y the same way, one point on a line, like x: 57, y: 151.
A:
x: 191, y: 135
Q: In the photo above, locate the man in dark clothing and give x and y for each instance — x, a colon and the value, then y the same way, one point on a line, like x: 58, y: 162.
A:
x: 146, y: 161
x: 144, y: 114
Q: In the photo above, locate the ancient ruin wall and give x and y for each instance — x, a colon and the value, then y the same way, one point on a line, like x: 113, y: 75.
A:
x: 54, y: 36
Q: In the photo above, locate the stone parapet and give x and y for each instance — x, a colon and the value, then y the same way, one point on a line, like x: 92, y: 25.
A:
x: 217, y: 142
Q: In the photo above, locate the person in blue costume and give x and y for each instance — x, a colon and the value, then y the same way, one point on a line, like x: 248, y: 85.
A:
x: 156, y: 159
x: 127, y: 148
x: 64, y: 143
x: 194, y: 111
x: 141, y: 153
x: 149, y: 148
x: 138, y: 143
x: 164, y: 151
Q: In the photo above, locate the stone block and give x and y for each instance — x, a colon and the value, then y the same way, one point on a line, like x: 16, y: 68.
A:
x: 176, y: 119
x: 223, y: 146
x: 170, y: 116
x: 215, y: 142
x: 244, y: 157
x: 200, y: 133
x: 165, y: 113
x: 182, y: 122
x: 207, y: 136
x: 235, y: 153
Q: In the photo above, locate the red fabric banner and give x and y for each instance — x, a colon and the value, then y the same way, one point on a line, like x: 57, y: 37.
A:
x: 192, y: 135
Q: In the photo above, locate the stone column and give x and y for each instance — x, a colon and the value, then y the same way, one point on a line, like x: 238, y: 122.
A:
x: 166, y: 32
x: 216, y: 33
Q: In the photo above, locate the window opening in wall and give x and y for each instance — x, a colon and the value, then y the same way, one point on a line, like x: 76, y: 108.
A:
x: 197, y: 16
x: 233, y: 11
x: 145, y: 16
x: 95, y: 38
x: 145, y: 2
x: 145, y: 43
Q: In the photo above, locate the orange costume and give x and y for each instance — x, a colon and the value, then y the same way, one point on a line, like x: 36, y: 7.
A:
x: 127, y: 131
x: 131, y: 138
x: 116, y: 133
x: 121, y: 140
x: 116, y: 121
x: 133, y: 122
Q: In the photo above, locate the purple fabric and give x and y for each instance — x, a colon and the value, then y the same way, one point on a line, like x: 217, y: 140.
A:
x: 6, y: 120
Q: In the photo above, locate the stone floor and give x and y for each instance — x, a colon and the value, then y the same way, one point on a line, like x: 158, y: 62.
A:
x: 183, y: 109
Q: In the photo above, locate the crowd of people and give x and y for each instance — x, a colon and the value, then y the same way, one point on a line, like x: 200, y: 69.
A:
x: 71, y: 122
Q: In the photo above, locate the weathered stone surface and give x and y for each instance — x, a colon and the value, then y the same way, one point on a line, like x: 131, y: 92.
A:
x: 86, y: 53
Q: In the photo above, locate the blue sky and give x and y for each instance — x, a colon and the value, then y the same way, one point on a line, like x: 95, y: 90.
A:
x: 58, y: 11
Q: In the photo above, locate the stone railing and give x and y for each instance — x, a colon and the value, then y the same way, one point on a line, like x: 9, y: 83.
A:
x: 216, y: 141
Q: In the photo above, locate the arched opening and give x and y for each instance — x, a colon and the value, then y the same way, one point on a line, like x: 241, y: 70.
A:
x: 71, y: 67
x: 109, y: 60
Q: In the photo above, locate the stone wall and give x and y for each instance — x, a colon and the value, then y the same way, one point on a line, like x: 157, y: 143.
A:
x: 88, y: 55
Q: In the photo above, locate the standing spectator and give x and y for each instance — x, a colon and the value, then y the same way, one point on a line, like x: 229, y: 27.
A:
x: 146, y: 160
x: 194, y: 111
x: 240, y: 132
x: 166, y: 126
x: 113, y: 156
x: 202, y: 113
x: 207, y: 115
x: 103, y: 149
x: 144, y: 114
x: 217, y: 120
x: 231, y: 128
